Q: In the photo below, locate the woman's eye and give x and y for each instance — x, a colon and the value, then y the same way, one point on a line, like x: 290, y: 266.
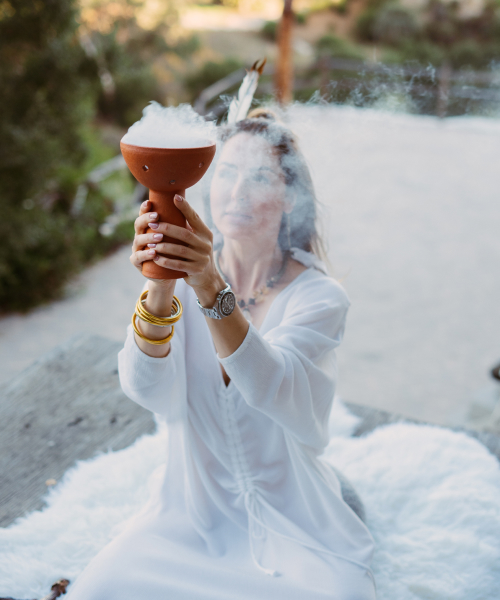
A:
x: 227, y: 174
x: 260, y: 178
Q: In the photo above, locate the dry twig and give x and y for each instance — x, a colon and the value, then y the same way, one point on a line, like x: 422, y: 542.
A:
x: 57, y: 590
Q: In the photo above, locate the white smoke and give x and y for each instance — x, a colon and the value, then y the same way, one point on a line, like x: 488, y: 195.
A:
x: 171, y: 127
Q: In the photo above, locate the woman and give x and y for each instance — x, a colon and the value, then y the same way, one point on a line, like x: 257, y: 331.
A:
x: 246, y: 388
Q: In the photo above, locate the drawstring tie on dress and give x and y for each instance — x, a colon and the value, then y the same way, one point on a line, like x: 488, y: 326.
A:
x: 256, y: 531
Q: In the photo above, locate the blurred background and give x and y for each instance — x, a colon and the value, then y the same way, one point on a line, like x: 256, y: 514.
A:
x: 396, y: 104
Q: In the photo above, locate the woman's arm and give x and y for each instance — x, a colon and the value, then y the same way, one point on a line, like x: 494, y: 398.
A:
x: 196, y: 259
x: 289, y: 374
x: 147, y: 376
x: 161, y: 292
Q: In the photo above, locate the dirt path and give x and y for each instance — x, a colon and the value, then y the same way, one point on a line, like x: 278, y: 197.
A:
x: 101, y: 301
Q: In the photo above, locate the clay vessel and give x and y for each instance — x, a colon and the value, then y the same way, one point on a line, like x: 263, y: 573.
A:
x: 166, y: 172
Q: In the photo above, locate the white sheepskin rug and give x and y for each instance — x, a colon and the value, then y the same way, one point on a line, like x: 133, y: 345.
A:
x: 432, y: 500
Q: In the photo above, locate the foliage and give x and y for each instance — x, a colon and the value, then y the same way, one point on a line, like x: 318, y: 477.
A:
x: 47, y: 97
x: 209, y: 73
x: 126, y: 48
x: 331, y: 45
x: 388, y: 23
x: 186, y: 47
x: 128, y: 63
x: 228, y: 3
x: 301, y: 17
x: 436, y: 34
x: 269, y: 31
x: 422, y: 52
x: 340, y: 7
x: 473, y: 54
x: 394, y: 25
x: 365, y: 24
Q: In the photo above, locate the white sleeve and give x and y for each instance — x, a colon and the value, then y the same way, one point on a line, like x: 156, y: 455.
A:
x: 157, y: 384
x: 289, y: 373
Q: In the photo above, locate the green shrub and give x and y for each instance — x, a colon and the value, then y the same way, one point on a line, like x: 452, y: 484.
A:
x: 186, y: 47
x: 474, y: 54
x: 135, y: 87
x: 47, y: 95
x: 208, y: 74
x: 422, y: 51
x: 331, y: 45
x: 365, y: 25
x: 41, y: 249
x: 269, y: 31
x: 129, y: 64
x: 340, y: 7
x: 394, y: 25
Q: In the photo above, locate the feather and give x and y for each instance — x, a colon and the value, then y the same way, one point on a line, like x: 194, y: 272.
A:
x: 241, y: 103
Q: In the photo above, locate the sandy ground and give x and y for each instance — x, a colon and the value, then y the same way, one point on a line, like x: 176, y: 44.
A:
x: 413, y: 225
x: 101, y: 301
x: 412, y: 219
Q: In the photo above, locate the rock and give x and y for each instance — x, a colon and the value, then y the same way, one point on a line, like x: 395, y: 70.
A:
x: 67, y: 406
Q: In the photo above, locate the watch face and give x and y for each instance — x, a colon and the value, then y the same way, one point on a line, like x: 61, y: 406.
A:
x: 227, y: 304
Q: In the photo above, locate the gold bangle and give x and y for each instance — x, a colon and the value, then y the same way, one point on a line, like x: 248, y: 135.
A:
x: 149, y: 341
x: 148, y: 317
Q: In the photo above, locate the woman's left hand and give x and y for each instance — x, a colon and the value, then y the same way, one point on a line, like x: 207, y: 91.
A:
x: 196, y: 258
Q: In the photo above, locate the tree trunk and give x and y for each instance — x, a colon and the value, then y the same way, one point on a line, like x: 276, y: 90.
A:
x: 283, y: 82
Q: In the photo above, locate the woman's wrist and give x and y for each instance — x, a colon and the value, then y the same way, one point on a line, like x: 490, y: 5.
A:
x: 207, y: 293
x: 159, y: 299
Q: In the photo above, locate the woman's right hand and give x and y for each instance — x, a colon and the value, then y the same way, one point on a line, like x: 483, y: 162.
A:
x: 143, y: 247
x: 161, y: 291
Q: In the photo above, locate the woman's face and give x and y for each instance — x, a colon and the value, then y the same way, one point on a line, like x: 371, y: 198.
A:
x: 248, y: 191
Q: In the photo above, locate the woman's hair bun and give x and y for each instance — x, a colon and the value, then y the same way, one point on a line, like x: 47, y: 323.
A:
x: 263, y: 113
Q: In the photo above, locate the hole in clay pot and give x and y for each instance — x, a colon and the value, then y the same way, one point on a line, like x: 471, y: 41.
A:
x: 200, y: 165
x: 172, y: 181
x: 145, y: 168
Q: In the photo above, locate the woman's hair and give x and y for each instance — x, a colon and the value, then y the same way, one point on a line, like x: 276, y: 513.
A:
x: 298, y: 229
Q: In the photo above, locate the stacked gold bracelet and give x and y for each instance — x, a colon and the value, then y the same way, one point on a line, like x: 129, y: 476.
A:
x: 147, y: 317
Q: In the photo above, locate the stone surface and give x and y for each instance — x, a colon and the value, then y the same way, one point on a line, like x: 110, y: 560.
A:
x: 373, y: 418
x: 67, y: 406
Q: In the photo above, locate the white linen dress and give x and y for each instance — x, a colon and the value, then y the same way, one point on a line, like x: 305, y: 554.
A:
x: 245, y: 508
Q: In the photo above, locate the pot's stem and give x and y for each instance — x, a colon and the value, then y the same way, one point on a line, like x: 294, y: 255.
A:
x: 163, y: 204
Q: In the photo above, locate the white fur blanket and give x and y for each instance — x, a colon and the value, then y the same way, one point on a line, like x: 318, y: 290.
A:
x: 432, y: 500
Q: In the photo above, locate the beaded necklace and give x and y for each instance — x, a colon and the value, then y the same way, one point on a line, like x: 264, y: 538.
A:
x: 259, y: 294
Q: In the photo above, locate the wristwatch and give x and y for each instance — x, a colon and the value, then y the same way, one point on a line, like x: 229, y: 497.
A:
x: 224, y: 304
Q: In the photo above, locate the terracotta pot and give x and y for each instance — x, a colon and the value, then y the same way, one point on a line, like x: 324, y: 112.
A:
x: 166, y: 172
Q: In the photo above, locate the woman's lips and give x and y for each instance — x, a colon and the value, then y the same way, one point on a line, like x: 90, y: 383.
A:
x: 238, y: 216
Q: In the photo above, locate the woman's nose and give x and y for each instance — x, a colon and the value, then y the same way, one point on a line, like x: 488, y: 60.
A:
x: 240, y: 189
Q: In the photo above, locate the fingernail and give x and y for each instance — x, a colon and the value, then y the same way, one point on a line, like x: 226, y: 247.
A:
x: 151, y: 245
x: 145, y: 203
x: 151, y: 252
x: 179, y: 198
x: 156, y: 257
x: 153, y: 215
x: 153, y: 225
x: 158, y: 236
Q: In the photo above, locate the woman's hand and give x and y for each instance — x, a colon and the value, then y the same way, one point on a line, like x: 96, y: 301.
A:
x: 195, y: 258
x: 144, y: 244
x: 161, y: 291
